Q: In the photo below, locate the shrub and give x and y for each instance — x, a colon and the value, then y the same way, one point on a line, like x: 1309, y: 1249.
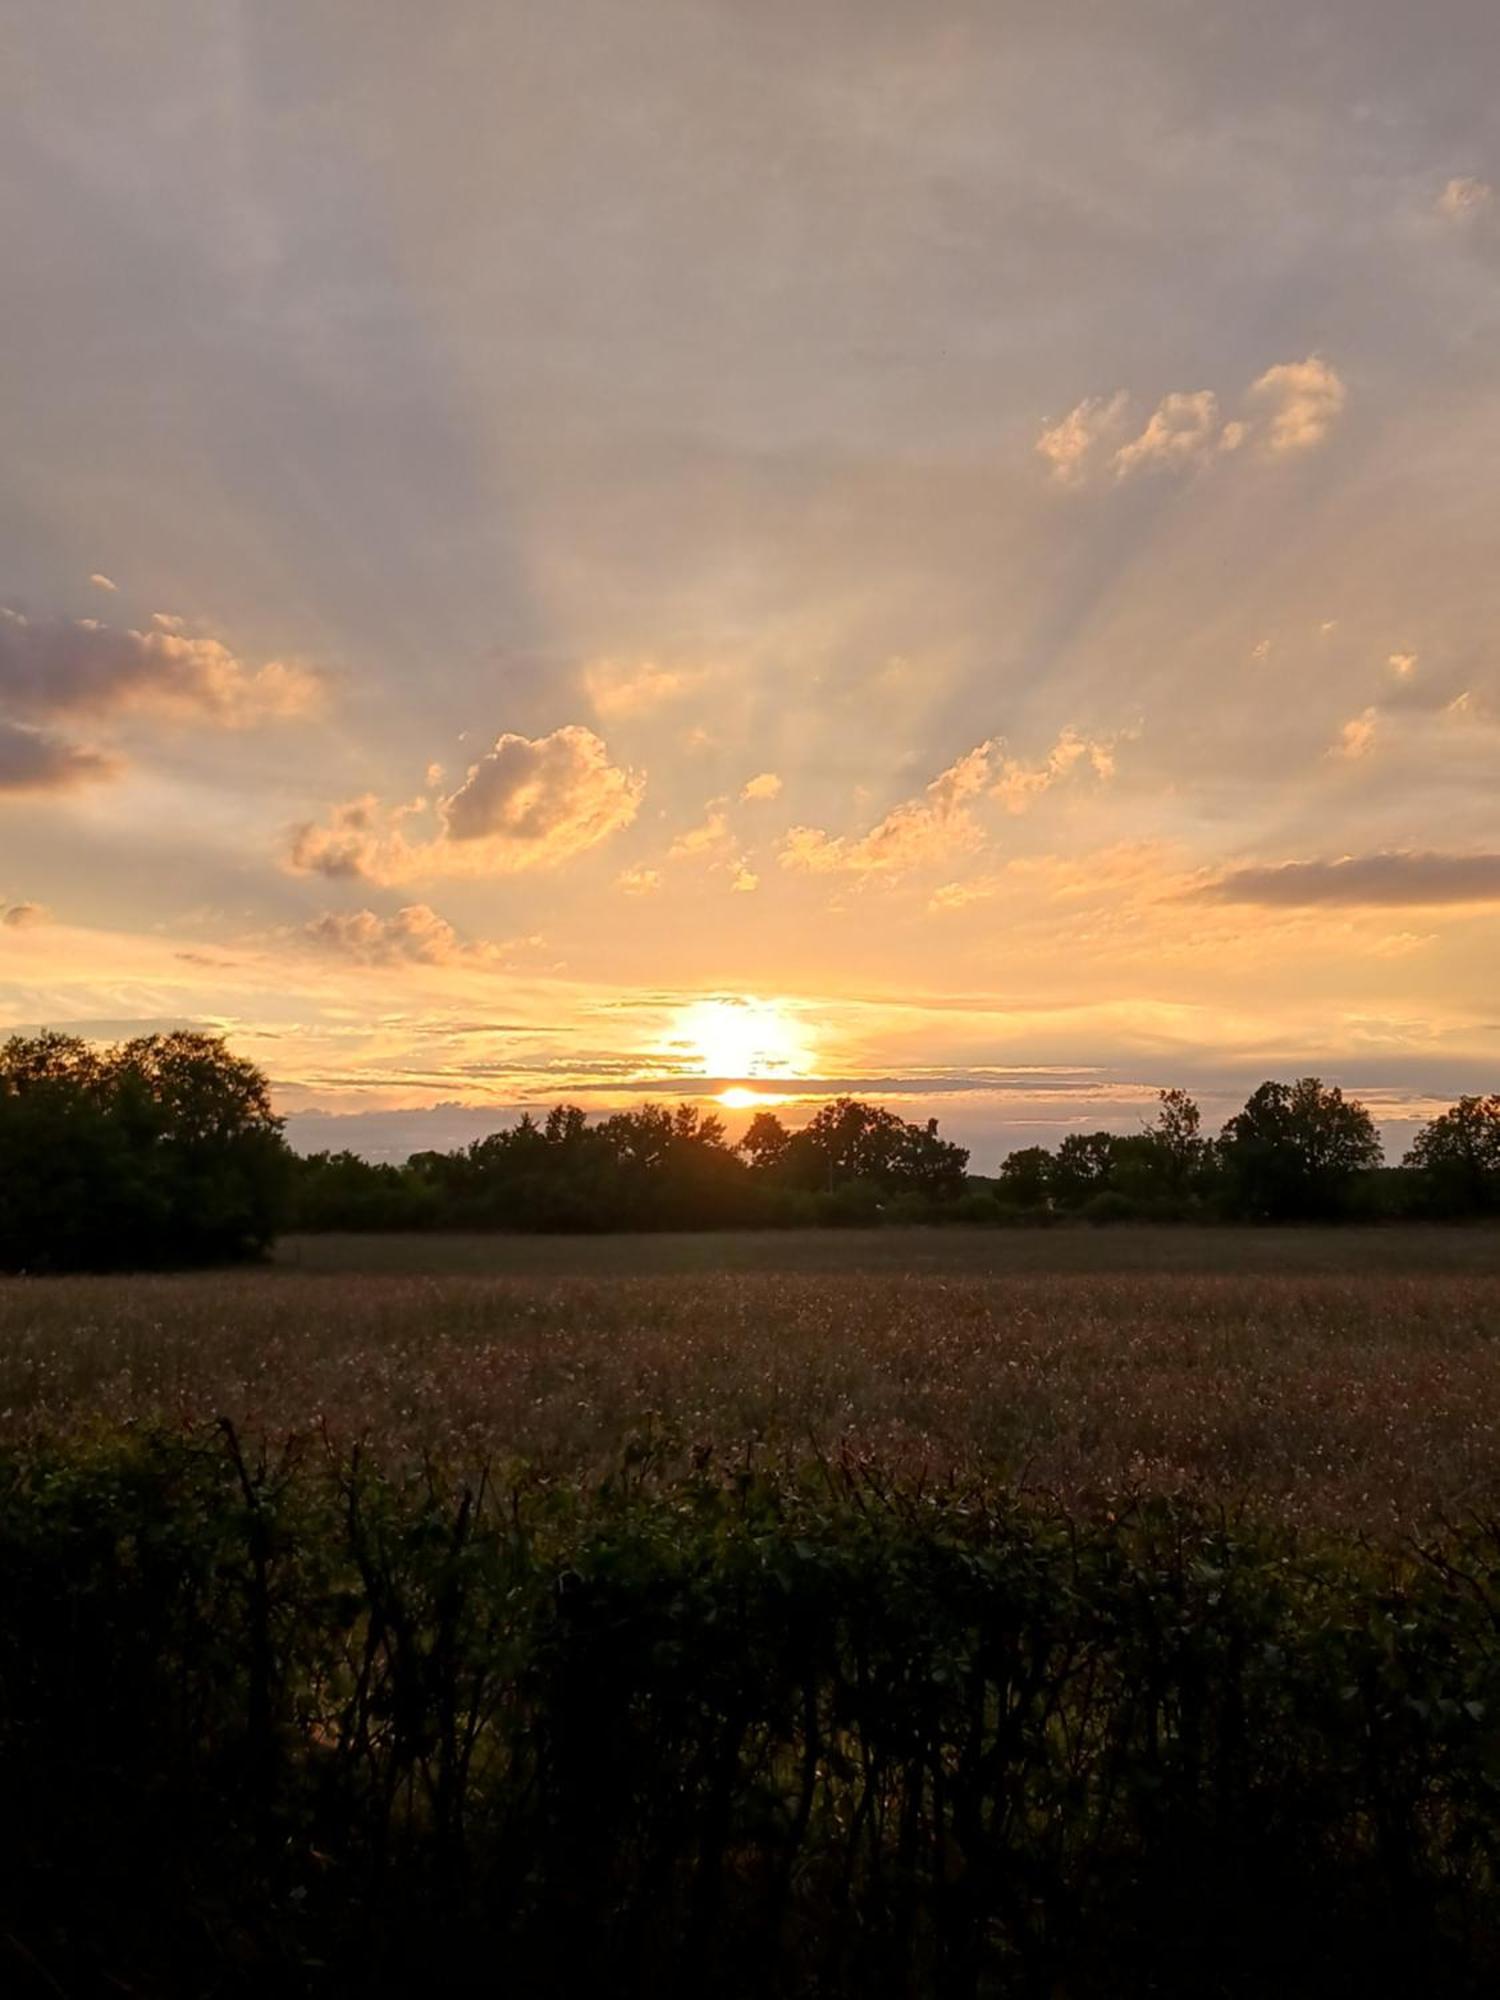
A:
x: 281, y: 1722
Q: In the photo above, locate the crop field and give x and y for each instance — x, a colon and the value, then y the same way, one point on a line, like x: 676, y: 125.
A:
x: 913, y: 1613
x: 1348, y: 1380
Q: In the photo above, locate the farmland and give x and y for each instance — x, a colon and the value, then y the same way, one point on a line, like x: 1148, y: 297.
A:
x: 905, y: 1613
x: 1344, y: 1379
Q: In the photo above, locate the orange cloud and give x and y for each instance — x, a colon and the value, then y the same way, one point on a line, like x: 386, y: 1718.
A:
x: 634, y: 687
x: 526, y: 803
x: 941, y: 824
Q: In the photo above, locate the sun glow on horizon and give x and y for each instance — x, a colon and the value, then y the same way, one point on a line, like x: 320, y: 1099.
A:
x: 734, y: 1040
x: 738, y: 1097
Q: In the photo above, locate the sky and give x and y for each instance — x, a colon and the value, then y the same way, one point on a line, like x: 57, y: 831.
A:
x: 628, y: 549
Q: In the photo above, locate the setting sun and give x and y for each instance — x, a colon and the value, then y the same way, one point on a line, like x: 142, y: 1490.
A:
x: 741, y: 1038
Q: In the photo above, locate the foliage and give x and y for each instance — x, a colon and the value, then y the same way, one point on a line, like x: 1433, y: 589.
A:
x: 285, y: 1721
x: 649, y: 1168
x: 1458, y: 1155
x: 1295, y: 1151
x: 163, y: 1150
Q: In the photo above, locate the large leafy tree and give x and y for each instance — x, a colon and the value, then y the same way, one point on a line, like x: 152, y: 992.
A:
x: 1025, y: 1177
x: 1296, y: 1150
x: 1459, y: 1152
x: 163, y: 1150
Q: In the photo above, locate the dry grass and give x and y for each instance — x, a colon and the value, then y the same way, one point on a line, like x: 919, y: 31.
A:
x: 1345, y: 1380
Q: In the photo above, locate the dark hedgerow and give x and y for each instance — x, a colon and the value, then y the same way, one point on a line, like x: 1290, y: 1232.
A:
x: 290, y: 1724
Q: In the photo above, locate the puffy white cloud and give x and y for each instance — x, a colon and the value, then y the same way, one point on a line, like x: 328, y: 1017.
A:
x: 1300, y: 401
x: 102, y: 582
x: 1402, y: 665
x: 1069, y: 446
x: 34, y: 760
x: 1183, y: 426
x: 526, y: 803
x: 81, y: 666
x: 766, y: 786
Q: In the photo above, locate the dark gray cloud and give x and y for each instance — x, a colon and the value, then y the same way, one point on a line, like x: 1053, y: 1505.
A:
x: 33, y: 760
x: 61, y: 666
x: 1393, y: 879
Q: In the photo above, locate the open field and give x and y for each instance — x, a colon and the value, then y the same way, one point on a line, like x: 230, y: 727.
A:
x: 1346, y: 1379
x: 935, y: 1614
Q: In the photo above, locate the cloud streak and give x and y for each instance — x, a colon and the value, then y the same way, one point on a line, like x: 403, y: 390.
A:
x: 1387, y: 880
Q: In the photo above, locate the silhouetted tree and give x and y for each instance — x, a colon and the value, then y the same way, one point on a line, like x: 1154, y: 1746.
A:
x: 163, y: 1150
x: 1296, y: 1151
x: 1025, y: 1177
x: 1082, y: 1167
x: 850, y: 1143
x: 1177, y: 1137
x: 1459, y: 1155
x: 765, y: 1143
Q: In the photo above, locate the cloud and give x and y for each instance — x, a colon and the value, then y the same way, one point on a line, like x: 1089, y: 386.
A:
x: 25, y: 916
x: 1289, y: 408
x: 526, y: 803
x: 83, y: 667
x: 1018, y: 785
x: 1386, y: 879
x: 941, y: 824
x: 1301, y: 401
x: 1183, y: 426
x: 712, y: 835
x: 1465, y: 199
x: 1070, y: 445
x: 766, y: 786
x: 102, y: 582
x: 640, y: 881
x: 932, y: 828
x: 634, y: 687
x: 1402, y: 665
x: 34, y: 760
x: 414, y: 935
x: 547, y: 797
x: 1357, y: 735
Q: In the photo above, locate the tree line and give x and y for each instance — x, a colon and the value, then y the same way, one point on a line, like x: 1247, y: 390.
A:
x: 165, y: 1150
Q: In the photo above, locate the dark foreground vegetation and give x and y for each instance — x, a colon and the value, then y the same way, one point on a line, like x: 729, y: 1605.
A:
x: 165, y: 1151
x: 290, y: 1723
